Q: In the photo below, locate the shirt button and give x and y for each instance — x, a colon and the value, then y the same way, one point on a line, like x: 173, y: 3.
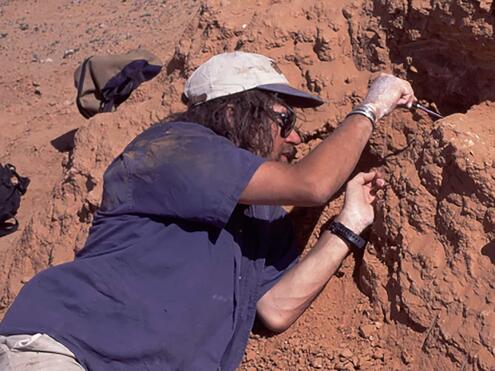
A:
x: 240, y: 277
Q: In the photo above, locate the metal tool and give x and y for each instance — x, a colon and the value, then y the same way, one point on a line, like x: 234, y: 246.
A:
x: 428, y: 111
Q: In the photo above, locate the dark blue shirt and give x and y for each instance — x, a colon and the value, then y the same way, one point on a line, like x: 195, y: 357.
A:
x: 173, y: 267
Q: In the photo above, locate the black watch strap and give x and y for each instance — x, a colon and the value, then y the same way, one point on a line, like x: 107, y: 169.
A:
x: 352, y: 239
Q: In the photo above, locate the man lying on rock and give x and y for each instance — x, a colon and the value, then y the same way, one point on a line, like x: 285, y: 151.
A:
x: 190, y: 243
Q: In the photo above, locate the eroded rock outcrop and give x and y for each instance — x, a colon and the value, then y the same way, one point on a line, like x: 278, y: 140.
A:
x: 431, y: 265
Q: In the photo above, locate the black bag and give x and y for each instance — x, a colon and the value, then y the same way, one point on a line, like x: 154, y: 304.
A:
x: 12, y: 187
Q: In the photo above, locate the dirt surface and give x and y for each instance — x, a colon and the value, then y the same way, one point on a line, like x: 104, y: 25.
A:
x: 422, y: 297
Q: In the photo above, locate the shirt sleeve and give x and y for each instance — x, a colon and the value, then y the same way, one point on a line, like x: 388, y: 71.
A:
x: 283, y: 253
x: 185, y: 171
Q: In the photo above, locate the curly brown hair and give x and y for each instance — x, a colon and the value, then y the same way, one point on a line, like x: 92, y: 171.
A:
x: 250, y: 110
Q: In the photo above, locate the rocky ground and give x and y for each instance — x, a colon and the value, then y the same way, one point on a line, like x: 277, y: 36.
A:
x: 422, y: 297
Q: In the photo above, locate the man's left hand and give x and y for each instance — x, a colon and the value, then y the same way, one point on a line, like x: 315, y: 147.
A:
x: 357, y: 213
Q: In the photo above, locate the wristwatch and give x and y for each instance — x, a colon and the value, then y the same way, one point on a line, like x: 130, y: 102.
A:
x: 354, y: 241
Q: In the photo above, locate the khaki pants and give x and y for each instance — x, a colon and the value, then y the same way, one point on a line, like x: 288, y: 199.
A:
x: 34, y: 353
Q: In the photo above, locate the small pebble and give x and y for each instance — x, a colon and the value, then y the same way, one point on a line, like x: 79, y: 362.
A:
x: 346, y: 353
x: 68, y: 52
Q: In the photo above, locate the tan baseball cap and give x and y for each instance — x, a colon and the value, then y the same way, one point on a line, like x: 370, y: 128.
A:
x: 230, y: 73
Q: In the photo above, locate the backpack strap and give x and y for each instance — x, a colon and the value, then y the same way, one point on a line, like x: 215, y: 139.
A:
x: 8, y: 227
x: 22, y: 182
x: 12, y: 192
x: 80, y: 88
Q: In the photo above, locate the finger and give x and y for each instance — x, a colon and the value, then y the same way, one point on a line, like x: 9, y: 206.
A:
x: 363, y: 178
x: 383, y: 76
x: 371, y: 197
x: 408, y: 88
x: 373, y: 187
x: 406, y: 92
x: 379, y: 172
x: 376, y: 184
x: 410, y: 102
x: 379, y: 182
x: 406, y: 100
x: 370, y: 194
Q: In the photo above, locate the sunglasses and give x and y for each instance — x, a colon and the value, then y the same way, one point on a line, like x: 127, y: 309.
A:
x: 286, y: 120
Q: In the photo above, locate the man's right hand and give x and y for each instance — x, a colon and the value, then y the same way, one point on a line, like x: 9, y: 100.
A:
x: 387, y: 92
x: 314, y: 179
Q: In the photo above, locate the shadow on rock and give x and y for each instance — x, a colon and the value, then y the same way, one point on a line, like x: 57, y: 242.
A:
x: 64, y: 142
x: 489, y: 250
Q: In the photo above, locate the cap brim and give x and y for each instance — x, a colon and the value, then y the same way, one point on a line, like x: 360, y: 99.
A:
x: 293, y: 97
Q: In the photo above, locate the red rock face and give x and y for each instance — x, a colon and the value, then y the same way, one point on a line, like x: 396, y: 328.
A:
x: 431, y: 264
x: 423, y: 295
